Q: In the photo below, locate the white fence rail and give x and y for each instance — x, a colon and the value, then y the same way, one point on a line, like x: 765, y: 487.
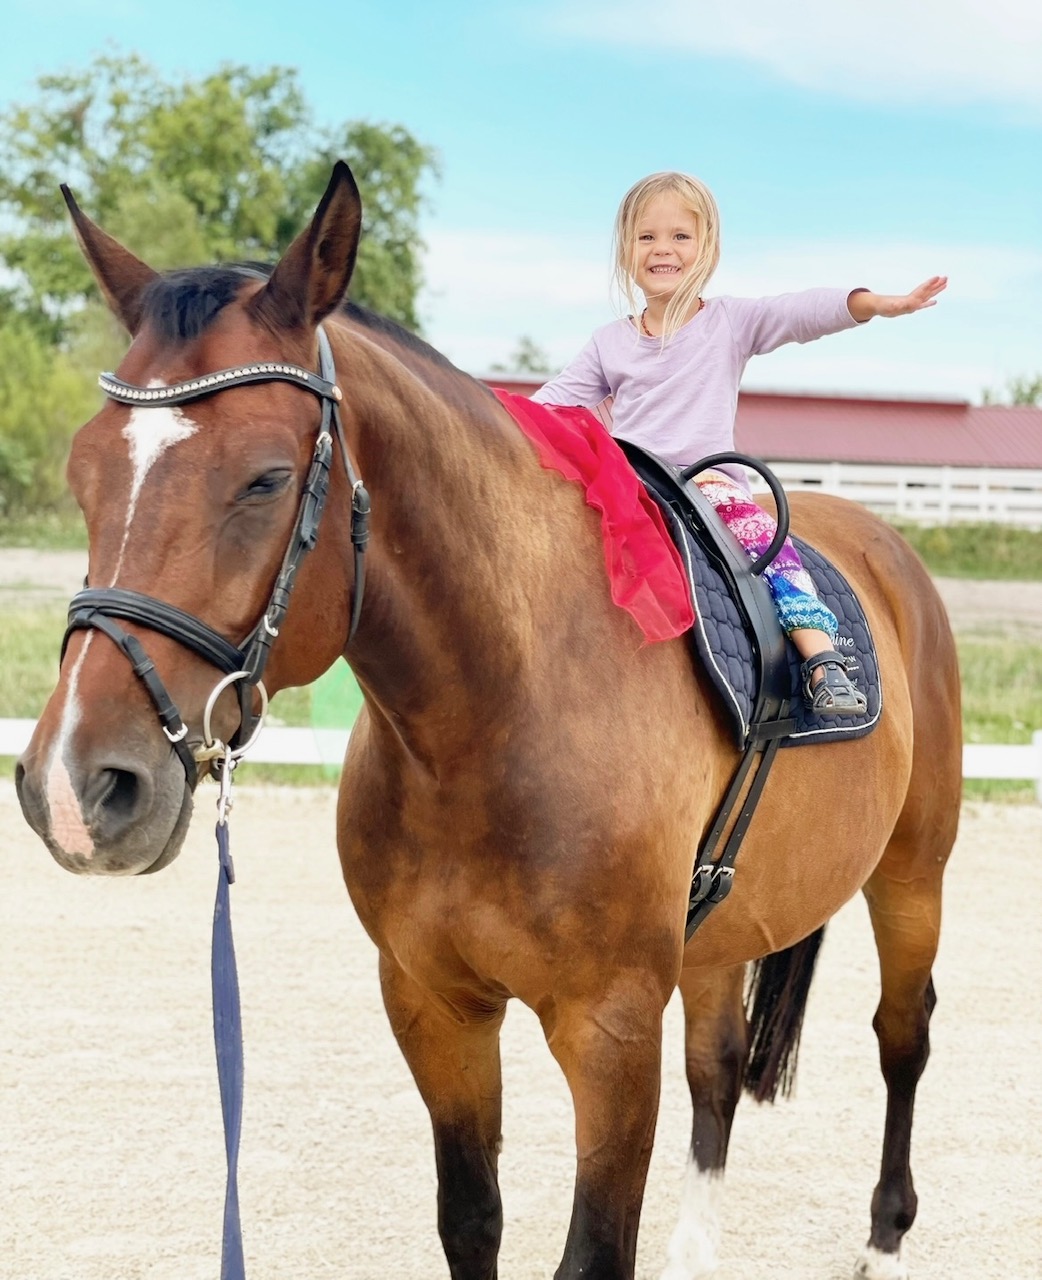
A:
x: 931, y: 495
x: 277, y: 745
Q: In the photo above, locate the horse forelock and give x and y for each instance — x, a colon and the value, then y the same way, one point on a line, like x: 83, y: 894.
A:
x: 180, y: 305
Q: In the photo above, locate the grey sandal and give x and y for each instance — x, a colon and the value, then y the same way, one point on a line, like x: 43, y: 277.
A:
x: 834, y: 694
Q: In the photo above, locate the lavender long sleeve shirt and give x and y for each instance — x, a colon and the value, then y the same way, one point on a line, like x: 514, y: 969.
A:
x: 679, y: 400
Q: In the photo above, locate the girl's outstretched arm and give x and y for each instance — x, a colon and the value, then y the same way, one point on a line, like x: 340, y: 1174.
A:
x: 864, y: 304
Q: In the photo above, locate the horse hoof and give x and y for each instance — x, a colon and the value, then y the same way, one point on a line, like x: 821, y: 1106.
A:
x: 876, y: 1265
x: 693, y: 1250
x: 692, y: 1255
x: 676, y: 1270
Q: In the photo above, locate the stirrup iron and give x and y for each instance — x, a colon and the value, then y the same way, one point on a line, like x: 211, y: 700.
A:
x: 835, y: 694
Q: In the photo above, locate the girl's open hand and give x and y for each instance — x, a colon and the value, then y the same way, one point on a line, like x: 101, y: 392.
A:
x: 904, y: 304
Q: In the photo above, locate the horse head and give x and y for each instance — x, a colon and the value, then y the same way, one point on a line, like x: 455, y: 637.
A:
x: 197, y: 478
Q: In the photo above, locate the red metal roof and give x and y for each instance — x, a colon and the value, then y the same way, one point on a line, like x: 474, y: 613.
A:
x: 912, y: 432
x: 813, y: 428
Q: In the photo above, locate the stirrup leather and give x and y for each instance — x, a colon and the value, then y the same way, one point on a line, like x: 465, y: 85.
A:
x: 835, y: 694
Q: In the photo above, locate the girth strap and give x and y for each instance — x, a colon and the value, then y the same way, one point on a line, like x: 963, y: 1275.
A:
x: 711, y: 881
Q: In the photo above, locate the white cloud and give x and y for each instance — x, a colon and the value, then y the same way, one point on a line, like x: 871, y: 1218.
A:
x: 526, y: 266
x: 985, y: 329
x: 977, y: 273
x: 487, y: 289
x: 926, y: 50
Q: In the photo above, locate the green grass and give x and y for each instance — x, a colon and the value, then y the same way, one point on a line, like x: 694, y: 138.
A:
x: 1001, y: 702
x: 1001, y: 688
x: 30, y: 642
x: 44, y: 530
x: 999, y: 790
x: 994, y: 551
x: 1002, y: 695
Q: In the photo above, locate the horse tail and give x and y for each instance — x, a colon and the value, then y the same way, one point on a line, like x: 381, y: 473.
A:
x: 775, y: 1002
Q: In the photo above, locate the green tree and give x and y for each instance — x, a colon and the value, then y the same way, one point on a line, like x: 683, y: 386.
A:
x: 527, y: 357
x: 1025, y: 390
x: 1018, y: 391
x: 225, y: 167
x: 44, y: 396
x: 215, y: 169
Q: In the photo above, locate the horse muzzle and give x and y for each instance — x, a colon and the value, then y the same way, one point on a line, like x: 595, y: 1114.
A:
x: 106, y: 813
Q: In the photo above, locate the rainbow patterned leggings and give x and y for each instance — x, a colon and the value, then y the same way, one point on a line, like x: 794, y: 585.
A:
x: 791, y: 586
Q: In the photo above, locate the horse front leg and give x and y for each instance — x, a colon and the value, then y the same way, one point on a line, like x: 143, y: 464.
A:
x: 456, y: 1067
x: 716, y: 1046
x: 610, y: 1052
x: 906, y: 919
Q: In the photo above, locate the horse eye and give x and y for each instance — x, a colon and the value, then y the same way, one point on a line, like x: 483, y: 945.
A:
x: 268, y: 485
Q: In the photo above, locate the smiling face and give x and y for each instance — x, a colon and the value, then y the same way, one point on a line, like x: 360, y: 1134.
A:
x: 666, y: 245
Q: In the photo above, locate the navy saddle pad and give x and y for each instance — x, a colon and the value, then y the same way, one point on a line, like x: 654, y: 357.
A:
x: 722, y: 641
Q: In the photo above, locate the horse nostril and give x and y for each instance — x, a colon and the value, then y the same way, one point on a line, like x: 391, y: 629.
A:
x: 120, y: 792
x: 29, y: 798
x: 115, y: 800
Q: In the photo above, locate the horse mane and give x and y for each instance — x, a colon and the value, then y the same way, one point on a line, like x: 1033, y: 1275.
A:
x: 180, y: 305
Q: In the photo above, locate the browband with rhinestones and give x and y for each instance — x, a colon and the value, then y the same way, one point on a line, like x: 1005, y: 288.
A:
x: 127, y: 393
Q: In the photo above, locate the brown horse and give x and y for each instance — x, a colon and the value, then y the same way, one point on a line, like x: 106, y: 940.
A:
x: 527, y: 782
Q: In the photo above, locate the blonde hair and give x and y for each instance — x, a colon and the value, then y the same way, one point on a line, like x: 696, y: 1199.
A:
x: 698, y: 200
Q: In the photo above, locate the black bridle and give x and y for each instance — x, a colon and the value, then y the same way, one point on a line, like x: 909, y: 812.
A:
x: 94, y: 608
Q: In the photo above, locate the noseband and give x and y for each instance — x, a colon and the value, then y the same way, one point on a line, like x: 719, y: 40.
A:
x: 94, y: 608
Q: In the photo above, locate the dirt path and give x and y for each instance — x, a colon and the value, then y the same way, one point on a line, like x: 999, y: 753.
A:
x: 30, y: 576
x: 112, y: 1164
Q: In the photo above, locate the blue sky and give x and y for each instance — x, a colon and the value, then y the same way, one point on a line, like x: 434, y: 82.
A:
x: 846, y: 143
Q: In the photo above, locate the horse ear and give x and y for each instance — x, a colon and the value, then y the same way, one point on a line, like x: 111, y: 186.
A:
x: 122, y: 277
x: 313, y: 274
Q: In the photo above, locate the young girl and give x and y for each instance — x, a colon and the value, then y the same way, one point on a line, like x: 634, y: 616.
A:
x: 674, y: 369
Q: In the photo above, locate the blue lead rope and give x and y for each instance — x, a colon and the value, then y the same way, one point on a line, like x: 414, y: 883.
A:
x: 227, y: 1036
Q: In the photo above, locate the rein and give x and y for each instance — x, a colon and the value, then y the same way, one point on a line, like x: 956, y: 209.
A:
x: 244, y: 664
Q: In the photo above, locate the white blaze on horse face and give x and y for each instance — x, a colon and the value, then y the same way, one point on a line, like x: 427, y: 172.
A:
x: 694, y: 1246
x: 67, y: 826
x: 151, y: 430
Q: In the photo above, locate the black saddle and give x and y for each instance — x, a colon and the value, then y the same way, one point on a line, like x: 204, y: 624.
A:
x: 749, y: 659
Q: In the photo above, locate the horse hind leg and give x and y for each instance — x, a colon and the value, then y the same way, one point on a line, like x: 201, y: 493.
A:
x: 905, y: 909
x: 456, y: 1066
x: 735, y: 1042
x: 716, y: 1045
